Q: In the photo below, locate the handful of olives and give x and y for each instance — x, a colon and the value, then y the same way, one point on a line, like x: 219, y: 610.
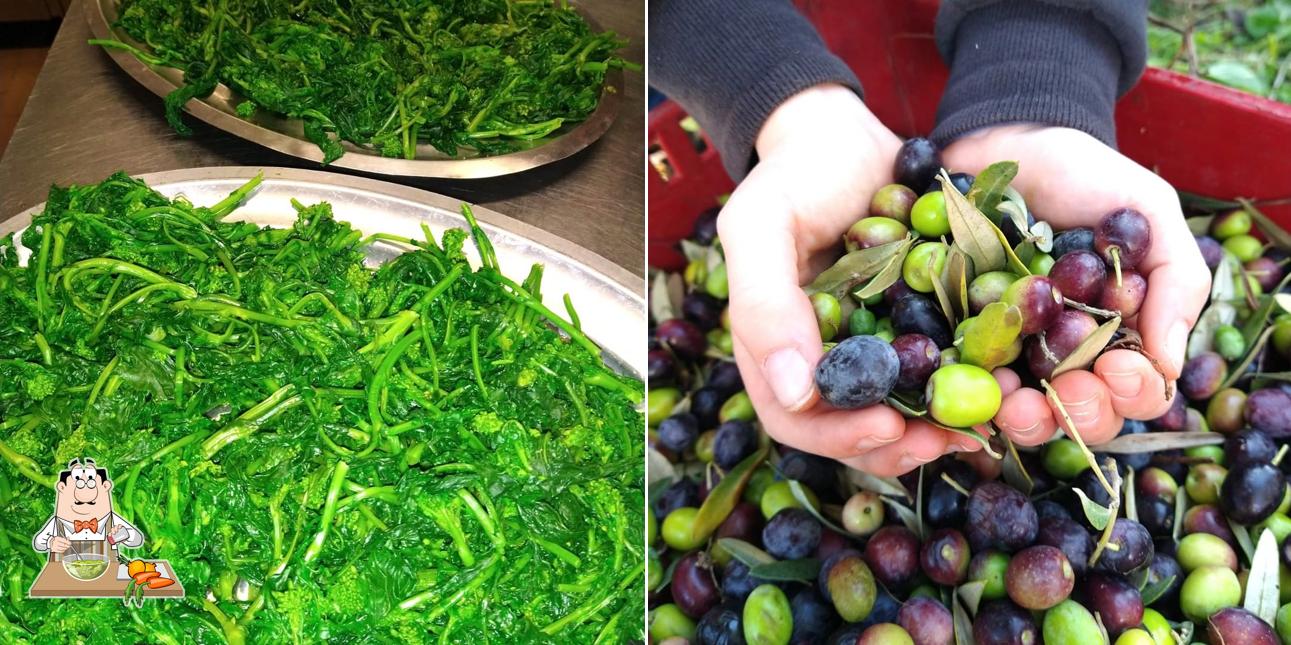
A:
x: 930, y: 333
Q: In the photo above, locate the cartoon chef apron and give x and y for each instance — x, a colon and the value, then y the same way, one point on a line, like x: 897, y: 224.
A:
x: 83, y: 521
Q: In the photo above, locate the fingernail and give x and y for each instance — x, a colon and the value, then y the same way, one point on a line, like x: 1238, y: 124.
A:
x: 1176, y: 341
x: 1125, y: 385
x: 1083, y: 412
x: 1020, y: 432
x: 910, y: 462
x: 790, y: 378
x: 870, y: 443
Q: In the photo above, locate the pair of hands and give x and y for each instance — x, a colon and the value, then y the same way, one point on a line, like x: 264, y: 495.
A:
x: 61, y: 544
x: 822, y: 156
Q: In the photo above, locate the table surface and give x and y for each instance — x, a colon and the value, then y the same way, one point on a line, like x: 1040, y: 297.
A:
x: 55, y: 582
x: 86, y: 119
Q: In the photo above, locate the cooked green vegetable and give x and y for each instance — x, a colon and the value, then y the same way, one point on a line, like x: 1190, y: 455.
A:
x: 409, y: 454
x: 482, y: 75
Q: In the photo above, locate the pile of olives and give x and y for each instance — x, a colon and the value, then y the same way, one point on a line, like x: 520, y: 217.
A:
x: 753, y: 542
x: 919, y: 343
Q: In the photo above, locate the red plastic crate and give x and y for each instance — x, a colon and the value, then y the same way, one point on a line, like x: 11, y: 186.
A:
x: 1201, y: 137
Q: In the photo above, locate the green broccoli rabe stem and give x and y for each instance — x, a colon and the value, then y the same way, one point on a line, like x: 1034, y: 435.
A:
x: 228, y: 310
x: 329, y: 511
x: 25, y: 465
x: 248, y: 422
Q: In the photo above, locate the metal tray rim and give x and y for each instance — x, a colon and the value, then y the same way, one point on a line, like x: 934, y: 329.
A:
x: 583, y: 135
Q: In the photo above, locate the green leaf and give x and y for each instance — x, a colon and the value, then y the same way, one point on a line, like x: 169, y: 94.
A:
x: 906, y: 515
x: 800, y: 494
x: 1243, y: 536
x: 886, y: 277
x: 941, y: 289
x: 1097, y: 515
x: 1089, y: 349
x: 990, y: 336
x: 859, y: 266
x: 665, y: 295
x: 1180, y: 507
x: 1016, y: 265
x: 788, y: 570
x: 1276, y: 235
x: 1200, y: 225
x: 1015, y: 474
x: 1128, y: 501
x: 973, y: 231
x: 1153, y: 592
x: 990, y: 184
x: 888, y: 486
x: 1237, y: 75
x: 1262, y: 584
x: 723, y: 498
x: 959, y: 272
x: 971, y: 594
x: 1236, y: 372
x: 963, y: 624
x: 745, y: 552
x: 1147, y: 442
x: 1202, y: 338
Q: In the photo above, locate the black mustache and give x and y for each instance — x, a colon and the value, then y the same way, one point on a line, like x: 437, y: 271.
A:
x: 81, y: 503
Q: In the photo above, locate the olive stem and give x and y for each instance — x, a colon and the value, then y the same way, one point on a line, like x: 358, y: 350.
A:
x: 1116, y: 263
x: 954, y: 484
x: 1070, y: 428
x: 1277, y: 459
x: 1095, y: 311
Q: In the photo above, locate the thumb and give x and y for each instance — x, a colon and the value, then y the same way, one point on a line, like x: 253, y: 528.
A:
x: 770, y: 315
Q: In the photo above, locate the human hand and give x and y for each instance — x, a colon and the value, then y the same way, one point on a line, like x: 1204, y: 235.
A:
x: 1071, y: 179
x: 59, y: 544
x: 822, y: 156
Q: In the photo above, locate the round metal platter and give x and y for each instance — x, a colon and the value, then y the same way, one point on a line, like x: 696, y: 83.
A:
x: 608, y: 298
x: 287, y: 135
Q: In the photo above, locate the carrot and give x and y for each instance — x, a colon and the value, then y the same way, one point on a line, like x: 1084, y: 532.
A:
x: 145, y: 576
x: 135, y: 567
x: 158, y: 583
x: 150, y: 566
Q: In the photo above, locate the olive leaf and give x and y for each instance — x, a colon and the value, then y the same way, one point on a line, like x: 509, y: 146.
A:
x: 1255, y: 323
x: 1238, y: 371
x: 971, y: 594
x: 658, y: 468
x: 1202, y: 339
x: 1200, y: 225
x: 1275, y: 234
x: 990, y: 335
x: 665, y: 296
x: 958, y: 272
x: 859, y: 266
x: 800, y: 494
x: 1223, y: 285
x: 882, y: 485
x: 907, y: 516
x: 918, y: 505
x: 694, y: 251
x: 886, y: 277
x: 1097, y: 514
x: 1262, y: 584
x: 1283, y: 377
x: 1025, y: 251
x: 1184, y: 635
x: 750, y: 555
x: 990, y: 184
x: 973, y: 231
x: 1090, y: 348
x: 971, y: 433
x: 1194, y: 203
x: 1015, y: 473
x: 1243, y: 536
x: 667, y: 575
x: 1128, y: 501
x: 1014, y: 262
x: 1129, y: 444
x: 941, y: 287
x: 723, y: 497
x: 1153, y: 592
x: 1283, y: 300
x: 906, y: 408
x: 963, y: 624
x: 804, y: 570
x: 1015, y: 207
x: 1042, y: 234
x: 1180, y: 507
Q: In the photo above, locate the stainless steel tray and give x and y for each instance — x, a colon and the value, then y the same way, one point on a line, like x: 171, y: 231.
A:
x: 608, y: 298
x: 287, y: 135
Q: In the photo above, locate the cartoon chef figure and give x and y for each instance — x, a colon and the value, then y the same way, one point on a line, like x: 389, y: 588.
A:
x: 83, y: 520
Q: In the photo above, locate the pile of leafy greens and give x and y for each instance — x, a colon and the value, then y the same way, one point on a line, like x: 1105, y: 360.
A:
x: 417, y: 453
x: 1244, y: 44
x: 484, y: 75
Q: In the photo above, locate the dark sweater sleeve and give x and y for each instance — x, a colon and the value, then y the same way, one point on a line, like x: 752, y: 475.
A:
x: 730, y: 63
x: 1056, y: 62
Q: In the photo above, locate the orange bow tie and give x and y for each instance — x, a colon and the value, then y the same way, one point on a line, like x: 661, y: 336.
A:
x: 92, y: 525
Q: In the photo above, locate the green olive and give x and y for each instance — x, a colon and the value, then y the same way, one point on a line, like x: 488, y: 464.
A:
x: 924, y: 264
x: 1069, y: 623
x: 1278, y: 522
x: 1198, y: 550
x: 1203, y: 483
x: 1285, y: 505
x: 1041, y: 264
x: 768, y: 619
x: 737, y: 408
x: 654, y: 570
x: 778, y: 497
x: 715, y: 284
x: 704, y: 446
x: 660, y: 403
x: 1282, y: 335
x: 990, y: 567
x: 962, y: 396
x: 1229, y: 342
x: 667, y: 621
x: 1213, y: 453
x: 1064, y: 459
x: 1230, y: 224
x: 677, y: 529
x: 1207, y: 590
x: 1245, y: 247
x: 829, y: 314
x: 1157, y: 626
x: 1283, y: 623
x: 987, y: 288
x: 696, y: 273
x: 928, y: 216
x: 883, y: 329
x: 885, y: 634
x: 862, y: 322
x: 1135, y: 637
x: 863, y: 513
x: 652, y: 528
x: 874, y: 231
x: 759, y: 482
x: 721, y: 340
